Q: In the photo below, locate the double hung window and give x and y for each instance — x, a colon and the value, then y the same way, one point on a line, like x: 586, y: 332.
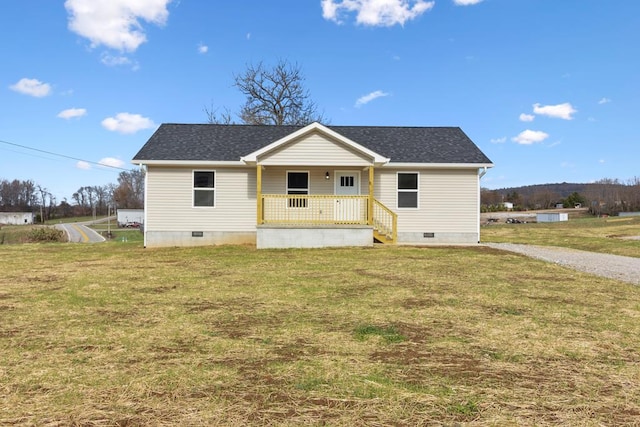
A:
x: 408, y: 189
x: 204, y: 188
x: 297, y: 183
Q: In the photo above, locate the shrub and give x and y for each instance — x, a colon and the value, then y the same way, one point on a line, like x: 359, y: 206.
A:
x: 45, y: 234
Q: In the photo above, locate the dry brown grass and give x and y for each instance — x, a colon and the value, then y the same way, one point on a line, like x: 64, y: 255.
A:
x: 114, y: 334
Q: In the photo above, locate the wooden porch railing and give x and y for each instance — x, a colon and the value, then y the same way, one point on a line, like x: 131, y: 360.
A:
x: 385, y: 223
x: 313, y: 209
x: 304, y: 209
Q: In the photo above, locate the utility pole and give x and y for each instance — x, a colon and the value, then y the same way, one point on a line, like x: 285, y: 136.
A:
x: 109, y: 221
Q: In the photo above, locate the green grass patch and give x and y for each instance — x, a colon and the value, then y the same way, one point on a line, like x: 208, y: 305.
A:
x: 388, y: 333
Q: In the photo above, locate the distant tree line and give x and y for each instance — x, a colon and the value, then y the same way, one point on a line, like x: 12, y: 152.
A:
x: 606, y: 196
x: 27, y: 196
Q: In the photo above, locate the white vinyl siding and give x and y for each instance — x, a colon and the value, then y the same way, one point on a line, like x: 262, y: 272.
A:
x: 314, y: 150
x: 274, y: 180
x: 170, y: 200
x: 447, y: 200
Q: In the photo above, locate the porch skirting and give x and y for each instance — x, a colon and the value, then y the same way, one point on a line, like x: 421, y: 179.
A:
x: 316, y: 236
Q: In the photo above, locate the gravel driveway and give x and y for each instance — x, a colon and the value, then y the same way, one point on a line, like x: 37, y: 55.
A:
x: 626, y: 269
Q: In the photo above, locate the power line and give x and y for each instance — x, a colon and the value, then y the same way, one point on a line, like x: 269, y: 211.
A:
x: 63, y: 155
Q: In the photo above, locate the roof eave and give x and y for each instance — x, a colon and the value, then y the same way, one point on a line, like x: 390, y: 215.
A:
x: 438, y: 165
x: 187, y: 163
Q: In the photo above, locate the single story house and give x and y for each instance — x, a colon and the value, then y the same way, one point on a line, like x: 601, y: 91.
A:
x: 310, y: 186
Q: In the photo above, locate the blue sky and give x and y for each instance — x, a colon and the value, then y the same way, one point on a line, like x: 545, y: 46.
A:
x: 548, y: 89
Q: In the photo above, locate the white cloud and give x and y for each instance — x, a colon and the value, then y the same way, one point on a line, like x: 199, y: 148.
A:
x: 127, y: 123
x: 72, y: 112
x: 115, y: 23
x: 115, y: 61
x: 604, y: 101
x: 553, y: 144
x: 466, y: 2
x: 370, y: 97
x: 560, y: 111
x: 32, y: 87
x: 248, y: 36
x: 203, y: 48
x: 527, y: 117
x: 384, y: 13
x: 529, y: 137
x: 499, y: 140
x: 83, y: 165
x: 111, y: 161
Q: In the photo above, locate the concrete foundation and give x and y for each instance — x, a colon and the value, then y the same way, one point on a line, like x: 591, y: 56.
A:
x: 198, y: 238
x: 437, y: 238
x: 313, y: 237
x: 274, y: 236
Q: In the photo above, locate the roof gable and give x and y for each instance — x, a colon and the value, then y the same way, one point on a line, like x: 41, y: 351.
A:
x: 306, y: 131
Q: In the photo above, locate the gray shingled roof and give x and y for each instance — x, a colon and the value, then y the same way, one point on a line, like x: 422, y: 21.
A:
x: 213, y: 142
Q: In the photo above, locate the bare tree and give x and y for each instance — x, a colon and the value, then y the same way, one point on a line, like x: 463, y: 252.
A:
x: 216, y: 117
x: 130, y: 190
x: 274, y: 96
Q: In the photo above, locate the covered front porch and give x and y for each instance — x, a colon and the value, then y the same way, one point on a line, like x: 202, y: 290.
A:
x: 338, y: 215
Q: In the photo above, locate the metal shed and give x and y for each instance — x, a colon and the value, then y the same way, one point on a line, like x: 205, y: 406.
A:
x: 552, y: 217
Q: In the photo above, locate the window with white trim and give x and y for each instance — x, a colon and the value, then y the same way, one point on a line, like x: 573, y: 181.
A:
x: 204, y: 189
x: 297, y: 183
x: 408, y: 189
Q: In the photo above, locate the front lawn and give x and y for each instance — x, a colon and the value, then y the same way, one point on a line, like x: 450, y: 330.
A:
x: 114, y: 334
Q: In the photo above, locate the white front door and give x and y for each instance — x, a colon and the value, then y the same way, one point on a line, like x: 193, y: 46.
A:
x: 347, y: 183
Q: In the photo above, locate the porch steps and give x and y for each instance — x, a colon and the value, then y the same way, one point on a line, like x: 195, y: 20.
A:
x: 383, y: 238
x: 385, y: 223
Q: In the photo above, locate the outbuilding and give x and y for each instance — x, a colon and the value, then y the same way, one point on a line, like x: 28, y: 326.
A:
x: 130, y: 216
x: 552, y: 217
x: 16, y: 218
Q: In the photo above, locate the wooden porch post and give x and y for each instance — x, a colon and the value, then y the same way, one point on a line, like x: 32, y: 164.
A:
x: 259, y: 193
x: 370, y: 201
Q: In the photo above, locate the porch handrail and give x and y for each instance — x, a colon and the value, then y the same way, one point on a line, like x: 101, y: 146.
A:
x: 385, y: 221
x: 326, y: 209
